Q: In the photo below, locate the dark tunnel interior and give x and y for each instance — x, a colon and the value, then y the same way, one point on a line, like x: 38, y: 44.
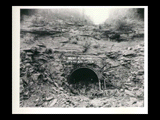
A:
x: 83, y: 76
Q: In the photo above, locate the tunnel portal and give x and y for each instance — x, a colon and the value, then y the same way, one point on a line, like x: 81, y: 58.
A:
x: 83, y: 76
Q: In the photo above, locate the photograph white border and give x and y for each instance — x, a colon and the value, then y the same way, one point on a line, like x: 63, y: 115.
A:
x: 16, y: 109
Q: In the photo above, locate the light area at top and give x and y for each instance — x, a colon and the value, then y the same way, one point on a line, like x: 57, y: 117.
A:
x: 97, y: 15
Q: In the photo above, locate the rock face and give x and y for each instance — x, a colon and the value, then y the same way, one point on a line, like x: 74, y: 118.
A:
x: 40, y: 65
x: 36, y: 58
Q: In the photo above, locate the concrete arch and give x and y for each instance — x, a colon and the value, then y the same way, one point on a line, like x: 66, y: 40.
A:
x: 91, y: 74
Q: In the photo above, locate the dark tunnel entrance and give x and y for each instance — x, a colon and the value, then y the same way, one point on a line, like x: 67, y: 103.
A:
x: 83, y: 76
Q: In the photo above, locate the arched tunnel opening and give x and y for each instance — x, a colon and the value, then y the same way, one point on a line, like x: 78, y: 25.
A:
x: 83, y: 76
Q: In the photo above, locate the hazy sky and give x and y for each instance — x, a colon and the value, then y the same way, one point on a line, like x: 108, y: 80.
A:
x: 98, y: 15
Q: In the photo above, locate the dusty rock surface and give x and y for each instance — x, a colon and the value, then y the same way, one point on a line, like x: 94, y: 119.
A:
x: 42, y: 83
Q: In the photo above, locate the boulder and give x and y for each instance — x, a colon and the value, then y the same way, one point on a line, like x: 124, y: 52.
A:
x: 114, y: 36
x: 41, y: 45
x: 129, y: 48
x: 27, y: 49
x: 133, y: 101
x: 48, y: 51
x: 96, y: 103
x: 22, y: 55
x: 130, y: 93
x: 97, y: 37
x: 34, y: 49
x: 52, y: 103
x: 26, y: 95
x: 113, y: 63
x: 21, y: 88
x: 139, y: 93
x: 29, y: 53
x: 138, y: 78
x: 49, y: 98
x: 27, y: 61
x: 140, y: 72
x: 125, y: 61
x: 64, y: 40
x: 35, y: 76
x: 129, y: 84
x: 74, y: 41
x: 113, y: 54
x: 129, y: 54
x: 28, y: 65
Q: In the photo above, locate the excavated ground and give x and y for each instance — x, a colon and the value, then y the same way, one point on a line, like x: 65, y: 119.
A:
x: 43, y: 82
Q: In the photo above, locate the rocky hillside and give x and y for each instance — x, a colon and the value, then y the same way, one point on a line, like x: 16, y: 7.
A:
x: 43, y: 75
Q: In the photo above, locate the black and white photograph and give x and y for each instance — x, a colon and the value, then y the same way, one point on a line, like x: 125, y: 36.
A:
x: 84, y: 57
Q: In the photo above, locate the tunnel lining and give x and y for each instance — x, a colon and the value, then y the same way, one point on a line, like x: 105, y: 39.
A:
x: 85, y: 73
